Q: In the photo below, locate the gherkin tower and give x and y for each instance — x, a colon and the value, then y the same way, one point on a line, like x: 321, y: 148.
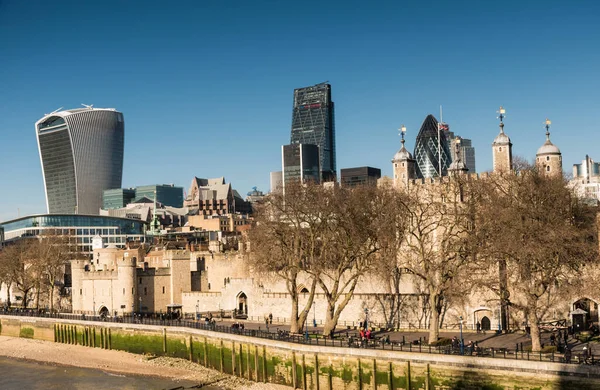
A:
x: 427, y: 148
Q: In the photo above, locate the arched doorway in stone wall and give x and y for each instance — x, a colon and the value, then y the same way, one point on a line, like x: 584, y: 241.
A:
x: 486, y: 324
x: 584, y: 313
x: 242, y: 304
x: 103, y: 312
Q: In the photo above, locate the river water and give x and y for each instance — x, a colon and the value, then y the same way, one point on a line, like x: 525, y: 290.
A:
x: 23, y: 374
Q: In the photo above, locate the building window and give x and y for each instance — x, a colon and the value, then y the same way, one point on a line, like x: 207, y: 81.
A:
x: 547, y: 168
x: 140, y: 280
x: 500, y: 149
x: 145, y: 290
x: 547, y: 158
x: 163, y: 289
x: 132, y: 291
x: 123, y: 291
x: 80, y: 291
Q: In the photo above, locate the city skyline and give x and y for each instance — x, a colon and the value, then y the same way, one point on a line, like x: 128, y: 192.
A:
x: 208, y: 93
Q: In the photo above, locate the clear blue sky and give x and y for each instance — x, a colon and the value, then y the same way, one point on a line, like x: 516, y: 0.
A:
x: 206, y: 87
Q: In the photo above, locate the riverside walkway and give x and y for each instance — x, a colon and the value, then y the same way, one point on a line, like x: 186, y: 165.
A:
x: 489, y: 344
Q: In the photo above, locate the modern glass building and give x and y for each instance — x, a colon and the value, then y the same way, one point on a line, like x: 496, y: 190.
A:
x: 300, y: 162
x: 467, y: 150
x: 166, y: 194
x: 427, y: 153
x: 313, y: 123
x: 352, y: 177
x: 113, y: 230
x: 81, y: 152
x: 117, y: 198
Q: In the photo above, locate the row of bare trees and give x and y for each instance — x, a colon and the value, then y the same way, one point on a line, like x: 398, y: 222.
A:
x: 449, y: 237
x: 35, y: 266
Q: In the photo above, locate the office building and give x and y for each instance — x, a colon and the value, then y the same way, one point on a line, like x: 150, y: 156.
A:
x: 276, y: 181
x: 83, y: 228
x: 351, y: 177
x: 430, y: 151
x: 467, y: 150
x: 215, y: 197
x: 300, y: 162
x: 117, y: 198
x: 586, y: 180
x: 81, y: 152
x: 313, y: 123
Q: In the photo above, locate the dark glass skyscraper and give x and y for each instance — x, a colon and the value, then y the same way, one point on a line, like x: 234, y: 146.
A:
x: 300, y: 162
x: 426, y: 150
x: 313, y: 123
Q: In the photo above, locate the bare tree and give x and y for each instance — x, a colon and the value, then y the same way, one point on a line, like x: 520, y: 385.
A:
x: 16, y: 261
x: 544, y: 234
x: 286, y: 240
x: 350, y: 244
x: 439, y: 245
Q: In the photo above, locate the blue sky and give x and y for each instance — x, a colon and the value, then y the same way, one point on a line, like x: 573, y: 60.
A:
x: 206, y: 87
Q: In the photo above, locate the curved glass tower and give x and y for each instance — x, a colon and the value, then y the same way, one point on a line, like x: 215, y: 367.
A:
x: 81, y: 152
x: 427, y: 150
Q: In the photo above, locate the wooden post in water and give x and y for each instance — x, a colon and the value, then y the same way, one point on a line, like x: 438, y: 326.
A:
x: 102, y: 338
x: 390, y: 376
x: 109, y: 338
x: 241, y: 360
x: 205, y: 352
x: 233, y: 358
x: 248, y: 374
x: 329, y: 378
x: 94, y: 337
x: 427, y: 378
x: 304, y: 386
x: 264, y: 370
x: 221, y: 357
x: 165, y: 341
x: 359, y: 375
x: 317, y: 372
x: 374, y: 375
x: 408, y: 381
x: 294, y: 372
x: 191, y: 350
x: 256, y: 362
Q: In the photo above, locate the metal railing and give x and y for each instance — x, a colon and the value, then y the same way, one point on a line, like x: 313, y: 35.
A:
x: 342, y: 339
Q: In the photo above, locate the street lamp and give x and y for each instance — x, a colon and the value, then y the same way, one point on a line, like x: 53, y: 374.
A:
x: 366, y: 318
x: 314, y: 314
x: 462, y: 342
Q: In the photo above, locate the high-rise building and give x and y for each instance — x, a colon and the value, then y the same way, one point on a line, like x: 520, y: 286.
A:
x: 276, y: 181
x: 300, y: 162
x: 313, y: 123
x: 117, y: 198
x: 351, y: 177
x: 467, y: 150
x: 428, y: 150
x: 81, y: 152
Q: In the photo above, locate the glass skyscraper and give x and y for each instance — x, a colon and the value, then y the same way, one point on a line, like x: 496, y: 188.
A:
x: 81, y: 152
x: 313, y: 123
x: 300, y: 162
x: 427, y: 150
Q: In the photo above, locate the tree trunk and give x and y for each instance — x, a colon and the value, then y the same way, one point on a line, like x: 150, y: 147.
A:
x: 51, y: 297
x: 434, y: 320
x: 8, y: 286
x: 294, y: 323
x: 330, y: 321
x: 536, y: 343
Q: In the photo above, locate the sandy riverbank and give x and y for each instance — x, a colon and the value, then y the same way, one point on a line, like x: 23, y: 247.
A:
x: 122, y: 362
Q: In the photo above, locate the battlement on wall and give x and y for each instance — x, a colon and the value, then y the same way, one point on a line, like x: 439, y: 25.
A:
x: 448, y: 179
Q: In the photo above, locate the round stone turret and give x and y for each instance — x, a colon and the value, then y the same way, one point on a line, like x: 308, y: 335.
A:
x: 548, y: 158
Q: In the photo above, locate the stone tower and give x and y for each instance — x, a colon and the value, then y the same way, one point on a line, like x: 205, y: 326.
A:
x: 548, y: 158
x: 78, y: 270
x: 502, y: 148
x: 127, y: 298
x: 403, y: 164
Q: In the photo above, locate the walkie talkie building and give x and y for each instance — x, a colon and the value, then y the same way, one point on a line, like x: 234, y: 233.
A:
x: 81, y: 152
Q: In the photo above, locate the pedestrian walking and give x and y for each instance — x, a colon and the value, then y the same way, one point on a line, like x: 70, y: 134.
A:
x: 478, y: 326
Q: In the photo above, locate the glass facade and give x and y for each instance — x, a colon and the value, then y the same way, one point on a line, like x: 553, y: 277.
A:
x: 117, y: 198
x: 313, y: 123
x: 467, y: 150
x: 81, y: 153
x: 300, y: 162
x: 351, y: 177
x: 427, y: 153
x: 83, y: 227
x: 168, y: 195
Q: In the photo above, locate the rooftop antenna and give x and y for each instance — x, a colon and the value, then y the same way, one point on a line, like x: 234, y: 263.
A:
x: 91, y: 106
